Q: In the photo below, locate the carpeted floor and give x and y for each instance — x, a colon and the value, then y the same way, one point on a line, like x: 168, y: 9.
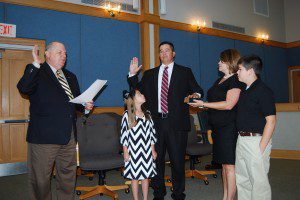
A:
x: 284, y: 179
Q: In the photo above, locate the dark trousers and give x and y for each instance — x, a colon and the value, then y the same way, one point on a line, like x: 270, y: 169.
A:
x: 41, y: 158
x: 175, y: 143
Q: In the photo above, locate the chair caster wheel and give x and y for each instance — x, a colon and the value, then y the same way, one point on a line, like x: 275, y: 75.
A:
x: 171, y: 189
x: 206, y: 182
x: 90, y: 178
x: 78, y: 192
x: 215, y: 175
x: 127, y: 191
x: 169, y: 181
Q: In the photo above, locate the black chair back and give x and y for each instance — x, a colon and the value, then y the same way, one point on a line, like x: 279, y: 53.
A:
x: 98, y: 135
x: 204, y: 124
x: 192, y: 135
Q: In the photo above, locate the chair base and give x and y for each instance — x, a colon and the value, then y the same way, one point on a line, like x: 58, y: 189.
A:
x: 100, y: 189
x: 200, y: 174
x: 80, y: 172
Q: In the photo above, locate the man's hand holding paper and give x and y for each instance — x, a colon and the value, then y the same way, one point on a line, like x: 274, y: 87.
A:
x: 87, y: 96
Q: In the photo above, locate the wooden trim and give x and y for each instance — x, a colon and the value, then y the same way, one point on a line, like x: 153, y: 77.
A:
x: 287, y: 107
x: 145, y: 46
x: 156, y: 44
x: 152, y: 19
x: 293, y: 44
x: 155, y: 7
x: 26, y: 42
x: 290, y: 81
x: 118, y: 110
x: 74, y: 8
x: 144, y: 17
x: 218, y: 33
x: 144, y: 6
x: 285, y: 154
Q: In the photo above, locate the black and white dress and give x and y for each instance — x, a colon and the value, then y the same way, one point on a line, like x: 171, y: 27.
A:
x: 138, y: 140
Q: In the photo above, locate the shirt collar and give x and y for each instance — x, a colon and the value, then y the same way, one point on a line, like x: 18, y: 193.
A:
x: 52, y: 68
x: 254, y: 84
x: 170, y: 66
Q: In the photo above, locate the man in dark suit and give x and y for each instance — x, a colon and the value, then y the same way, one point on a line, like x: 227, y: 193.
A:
x: 165, y: 88
x: 51, y: 129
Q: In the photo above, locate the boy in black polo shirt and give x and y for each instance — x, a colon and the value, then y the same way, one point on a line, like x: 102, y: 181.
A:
x: 256, y: 119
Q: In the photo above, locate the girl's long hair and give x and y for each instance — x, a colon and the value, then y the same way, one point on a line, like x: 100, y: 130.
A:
x: 130, y: 104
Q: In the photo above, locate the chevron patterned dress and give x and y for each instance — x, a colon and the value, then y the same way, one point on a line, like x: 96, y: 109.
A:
x: 138, y: 141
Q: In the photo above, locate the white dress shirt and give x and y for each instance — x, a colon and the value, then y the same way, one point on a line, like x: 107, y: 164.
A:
x: 160, y: 75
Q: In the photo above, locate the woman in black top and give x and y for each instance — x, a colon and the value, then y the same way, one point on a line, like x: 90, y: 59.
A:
x: 222, y: 98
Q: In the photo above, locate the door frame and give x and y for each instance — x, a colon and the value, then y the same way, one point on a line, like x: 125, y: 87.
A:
x: 26, y: 42
x: 8, y: 169
x: 290, y: 81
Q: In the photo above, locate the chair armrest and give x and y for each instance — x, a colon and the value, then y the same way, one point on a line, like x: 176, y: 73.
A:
x: 210, y: 140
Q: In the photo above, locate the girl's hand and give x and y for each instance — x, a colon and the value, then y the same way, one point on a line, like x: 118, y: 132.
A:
x: 154, y: 154
x: 126, y: 156
x: 197, y: 103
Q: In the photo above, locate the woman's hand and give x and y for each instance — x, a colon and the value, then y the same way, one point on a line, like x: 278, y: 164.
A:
x: 197, y: 103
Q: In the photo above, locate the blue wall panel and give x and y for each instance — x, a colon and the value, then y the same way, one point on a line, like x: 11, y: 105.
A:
x: 205, y: 60
x: 50, y: 26
x: 107, y: 47
x: 276, y: 72
x: 294, y: 56
x: 199, y: 52
x: 247, y: 48
x: 186, y: 48
x: 210, y: 49
x: 2, y: 13
x: 96, y: 47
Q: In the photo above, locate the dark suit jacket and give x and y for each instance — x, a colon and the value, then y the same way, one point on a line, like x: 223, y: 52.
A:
x: 52, y: 117
x: 181, y: 85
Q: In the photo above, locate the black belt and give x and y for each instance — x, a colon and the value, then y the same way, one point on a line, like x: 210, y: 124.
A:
x: 244, y: 133
x: 163, y: 115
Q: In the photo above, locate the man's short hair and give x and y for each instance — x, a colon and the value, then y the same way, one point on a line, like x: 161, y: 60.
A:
x: 168, y: 43
x: 252, y: 62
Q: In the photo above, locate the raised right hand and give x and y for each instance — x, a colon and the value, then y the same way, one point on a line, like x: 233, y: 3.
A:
x: 35, y: 55
x: 134, y: 66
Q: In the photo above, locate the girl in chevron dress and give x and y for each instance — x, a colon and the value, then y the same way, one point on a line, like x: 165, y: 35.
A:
x: 138, y: 138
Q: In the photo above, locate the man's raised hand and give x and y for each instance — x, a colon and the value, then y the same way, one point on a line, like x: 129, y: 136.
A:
x: 35, y: 55
x: 134, y: 66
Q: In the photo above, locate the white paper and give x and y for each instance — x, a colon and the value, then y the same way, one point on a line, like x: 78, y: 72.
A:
x: 90, y: 93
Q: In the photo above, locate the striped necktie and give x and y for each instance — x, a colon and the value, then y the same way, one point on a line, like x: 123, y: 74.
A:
x: 164, y: 91
x: 64, y: 84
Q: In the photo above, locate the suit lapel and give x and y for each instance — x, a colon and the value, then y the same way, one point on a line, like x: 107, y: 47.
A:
x: 156, y: 72
x: 173, y: 77
x: 53, y: 78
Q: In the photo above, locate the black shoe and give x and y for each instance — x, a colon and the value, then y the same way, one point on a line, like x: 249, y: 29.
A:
x: 155, y: 198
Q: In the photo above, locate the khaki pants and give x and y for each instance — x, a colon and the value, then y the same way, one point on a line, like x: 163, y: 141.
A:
x: 252, y: 168
x: 41, y: 158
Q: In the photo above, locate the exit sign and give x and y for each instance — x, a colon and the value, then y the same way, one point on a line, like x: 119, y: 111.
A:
x: 7, y: 30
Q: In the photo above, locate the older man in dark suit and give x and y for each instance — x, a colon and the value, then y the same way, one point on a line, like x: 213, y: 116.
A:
x: 51, y: 129
x: 165, y: 88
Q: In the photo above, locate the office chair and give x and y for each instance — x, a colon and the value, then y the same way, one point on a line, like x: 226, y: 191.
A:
x: 98, y: 141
